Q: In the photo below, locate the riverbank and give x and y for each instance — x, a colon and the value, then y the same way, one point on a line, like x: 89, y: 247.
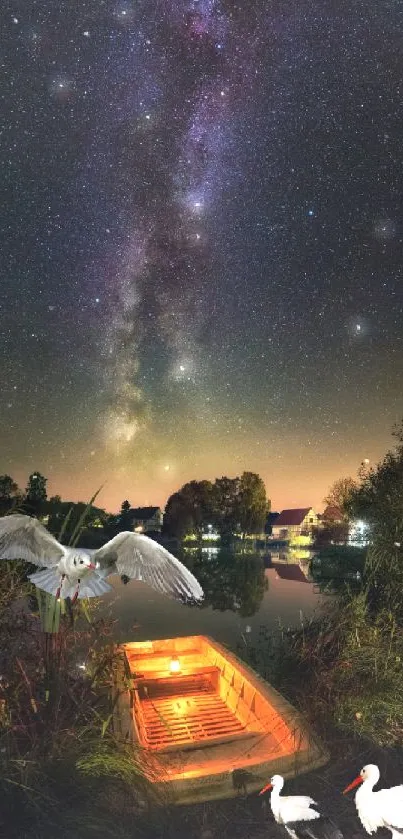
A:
x: 108, y: 810
x: 48, y: 744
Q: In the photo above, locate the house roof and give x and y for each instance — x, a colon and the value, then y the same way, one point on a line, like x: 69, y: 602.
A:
x: 332, y: 514
x: 288, y: 517
x: 290, y: 572
x: 143, y: 513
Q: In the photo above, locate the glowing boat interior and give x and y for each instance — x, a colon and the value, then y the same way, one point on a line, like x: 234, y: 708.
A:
x: 198, y: 714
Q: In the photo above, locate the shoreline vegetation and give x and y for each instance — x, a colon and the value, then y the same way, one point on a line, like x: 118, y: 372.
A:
x: 61, y: 768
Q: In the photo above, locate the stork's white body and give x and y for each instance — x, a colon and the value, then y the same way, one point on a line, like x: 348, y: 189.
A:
x: 292, y: 808
x: 379, y: 809
x: 294, y: 812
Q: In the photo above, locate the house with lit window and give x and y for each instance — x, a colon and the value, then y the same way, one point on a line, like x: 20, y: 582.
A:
x: 296, y: 522
x: 146, y: 519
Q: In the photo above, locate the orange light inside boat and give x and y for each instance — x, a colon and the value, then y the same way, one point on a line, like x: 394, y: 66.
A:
x: 175, y: 666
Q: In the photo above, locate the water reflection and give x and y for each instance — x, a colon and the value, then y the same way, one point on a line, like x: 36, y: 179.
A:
x: 334, y: 570
x: 243, y: 593
x: 234, y: 582
x: 293, y: 564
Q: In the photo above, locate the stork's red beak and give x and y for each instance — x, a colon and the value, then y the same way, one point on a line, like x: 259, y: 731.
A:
x: 268, y: 786
x: 358, y: 780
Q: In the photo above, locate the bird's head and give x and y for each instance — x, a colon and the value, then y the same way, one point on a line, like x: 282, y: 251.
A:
x: 83, y: 563
x: 370, y: 773
x: 276, y: 782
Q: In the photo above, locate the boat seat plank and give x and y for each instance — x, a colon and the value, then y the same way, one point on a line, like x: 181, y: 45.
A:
x: 160, y: 680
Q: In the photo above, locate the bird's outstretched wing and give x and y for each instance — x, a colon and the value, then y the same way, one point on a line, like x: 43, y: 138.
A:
x: 138, y: 557
x: 22, y: 537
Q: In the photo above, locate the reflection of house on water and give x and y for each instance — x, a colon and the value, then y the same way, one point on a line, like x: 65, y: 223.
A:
x: 290, y: 565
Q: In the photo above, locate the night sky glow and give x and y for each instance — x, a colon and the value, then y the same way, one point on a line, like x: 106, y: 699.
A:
x: 201, y: 242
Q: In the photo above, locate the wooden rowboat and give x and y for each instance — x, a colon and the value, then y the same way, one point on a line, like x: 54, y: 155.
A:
x: 205, y: 725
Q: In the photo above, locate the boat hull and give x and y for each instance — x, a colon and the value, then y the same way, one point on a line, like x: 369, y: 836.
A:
x: 213, y: 730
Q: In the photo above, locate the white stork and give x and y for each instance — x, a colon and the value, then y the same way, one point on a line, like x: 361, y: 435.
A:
x: 296, y: 813
x: 383, y: 808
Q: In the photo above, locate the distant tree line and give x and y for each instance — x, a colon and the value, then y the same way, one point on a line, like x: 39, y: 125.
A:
x: 230, y: 505
x: 33, y: 501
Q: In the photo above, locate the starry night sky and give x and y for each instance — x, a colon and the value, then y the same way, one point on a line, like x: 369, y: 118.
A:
x: 201, y: 242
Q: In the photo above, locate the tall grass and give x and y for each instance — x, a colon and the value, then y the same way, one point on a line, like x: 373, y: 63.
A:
x: 58, y: 753
x: 350, y: 666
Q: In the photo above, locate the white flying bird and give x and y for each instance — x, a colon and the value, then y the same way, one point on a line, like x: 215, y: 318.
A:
x: 81, y: 572
x: 383, y: 808
x: 296, y: 813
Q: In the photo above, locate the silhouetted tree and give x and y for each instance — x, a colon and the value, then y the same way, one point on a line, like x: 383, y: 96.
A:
x: 35, y: 494
x: 36, y: 488
x: 188, y: 510
x: 9, y: 492
x: 231, y: 504
x: 56, y: 512
x: 340, y: 493
x: 252, y: 503
x: 225, y: 505
x: 8, y: 487
x: 378, y: 502
x: 124, y: 520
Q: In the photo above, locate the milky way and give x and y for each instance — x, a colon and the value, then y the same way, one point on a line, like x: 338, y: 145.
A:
x: 202, y: 242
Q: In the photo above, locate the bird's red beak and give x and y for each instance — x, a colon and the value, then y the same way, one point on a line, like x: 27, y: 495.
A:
x: 358, y: 780
x: 267, y: 787
x: 92, y: 566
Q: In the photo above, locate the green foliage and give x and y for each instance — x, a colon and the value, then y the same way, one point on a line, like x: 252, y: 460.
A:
x: 106, y: 760
x: 124, y: 520
x: 340, y: 494
x: 352, y: 667
x: 339, y: 569
x: 49, y: 611
x: 231, y: 504
x: 252, y: 503
x: 8, y: 488
x: 352, y: 657
x: 332, y: 533
x: 83, y: 519
x: 187, y: 510
x: 225, y: 505
x: 56, y: 747
x: 379, y: 503
x: 36, y: 488
x: 67, y: 520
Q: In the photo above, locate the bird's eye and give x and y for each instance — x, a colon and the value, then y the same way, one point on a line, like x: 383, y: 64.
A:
x: 81, y: 561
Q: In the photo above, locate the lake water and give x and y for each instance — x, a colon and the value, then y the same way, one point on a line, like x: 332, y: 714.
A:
x: 243, y: 592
